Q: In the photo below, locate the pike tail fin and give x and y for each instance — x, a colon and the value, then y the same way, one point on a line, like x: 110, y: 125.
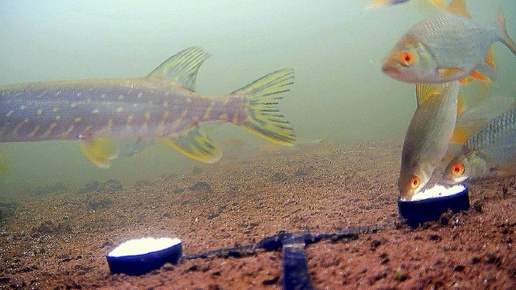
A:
x: 263, y: 116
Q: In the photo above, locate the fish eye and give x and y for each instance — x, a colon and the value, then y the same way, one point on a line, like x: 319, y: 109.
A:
x: 414, y: 182
x: 457, y: 169
x: 406, y: 58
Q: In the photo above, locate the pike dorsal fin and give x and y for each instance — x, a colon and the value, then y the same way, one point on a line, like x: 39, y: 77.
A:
x: 182, y: 68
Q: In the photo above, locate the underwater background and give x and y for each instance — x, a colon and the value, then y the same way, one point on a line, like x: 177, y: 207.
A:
x: 335, y: 48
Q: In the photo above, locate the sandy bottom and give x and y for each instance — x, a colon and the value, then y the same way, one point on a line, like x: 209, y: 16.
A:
x: 58, y: 240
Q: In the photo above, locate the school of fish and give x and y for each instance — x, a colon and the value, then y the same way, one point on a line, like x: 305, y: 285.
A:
x: 437, y: 54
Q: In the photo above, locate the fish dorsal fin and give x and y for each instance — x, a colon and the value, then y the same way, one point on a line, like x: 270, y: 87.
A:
x: 182, y: 68
x: 195, y: 144
x: 426, y: 91
x: 458, y: 7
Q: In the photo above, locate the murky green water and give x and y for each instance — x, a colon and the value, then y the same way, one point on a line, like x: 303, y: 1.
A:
x: 335, y: 47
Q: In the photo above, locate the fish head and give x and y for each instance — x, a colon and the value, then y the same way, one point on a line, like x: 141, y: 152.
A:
x: 412, y: 181
x: 411, y: 62
x: 457, y: 170
x: 465, y: 165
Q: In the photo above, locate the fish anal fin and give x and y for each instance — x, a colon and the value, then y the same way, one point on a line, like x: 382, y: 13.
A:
x: 195, y: 144
x: 458, y: 7
x: 99, y: 151
x: 181, y: 68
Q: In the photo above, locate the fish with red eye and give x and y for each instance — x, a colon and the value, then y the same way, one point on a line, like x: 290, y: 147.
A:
x: 447, y: 47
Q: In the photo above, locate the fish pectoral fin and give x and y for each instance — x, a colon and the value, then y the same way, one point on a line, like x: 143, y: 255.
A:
x: 195, y: 144
x: 450, y: 71
x: 99, y: 151
x: 181, y: 68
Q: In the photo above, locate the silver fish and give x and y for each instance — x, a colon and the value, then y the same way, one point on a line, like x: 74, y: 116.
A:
x: 162, y: 104
x: 491, y: 151
x: 428, y: 135
x: 445, y: 48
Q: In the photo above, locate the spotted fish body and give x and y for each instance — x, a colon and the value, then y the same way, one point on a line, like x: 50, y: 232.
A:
x: 162, y: 104
x: 491, y: 151
x: 125, y: 108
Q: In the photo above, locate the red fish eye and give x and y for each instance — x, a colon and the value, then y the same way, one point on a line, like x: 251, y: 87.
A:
x: 414, y: 182
x: 407, y: 58
x: 457, y: 169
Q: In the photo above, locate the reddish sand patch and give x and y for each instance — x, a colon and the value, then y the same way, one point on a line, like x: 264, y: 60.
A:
x: 59, y: 240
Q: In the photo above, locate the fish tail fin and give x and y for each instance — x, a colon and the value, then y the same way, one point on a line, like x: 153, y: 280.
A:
x: 506, y: 39
x: 262, y: 115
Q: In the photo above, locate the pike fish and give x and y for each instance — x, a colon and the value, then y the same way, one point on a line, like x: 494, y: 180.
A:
x: 428, y: 135
x: 446, y: 47
x: 162, y: 104
x: 491, y: 151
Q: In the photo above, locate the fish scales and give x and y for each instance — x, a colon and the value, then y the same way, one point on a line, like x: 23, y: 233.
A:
x: 125, y: 108
x: 491, y: 151
x: 461, y: 33
x: 497, y: 139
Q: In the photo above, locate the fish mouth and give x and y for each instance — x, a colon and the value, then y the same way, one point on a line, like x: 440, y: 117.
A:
x: 391, y: 70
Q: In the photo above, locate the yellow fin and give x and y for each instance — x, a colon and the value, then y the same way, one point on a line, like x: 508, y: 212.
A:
x: 458, y: 7
x: 263, y: 116
x: 426, y: 91
x: 489, y: 58
x: 461, y: 104
x: 449, y: 71
x: 99, y: 151
x: 377, y: 3
x: 438, y: 3
x: 182, y: 68
x: 460, y: 135
x: 195, y: 144
x: 479, y: 76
